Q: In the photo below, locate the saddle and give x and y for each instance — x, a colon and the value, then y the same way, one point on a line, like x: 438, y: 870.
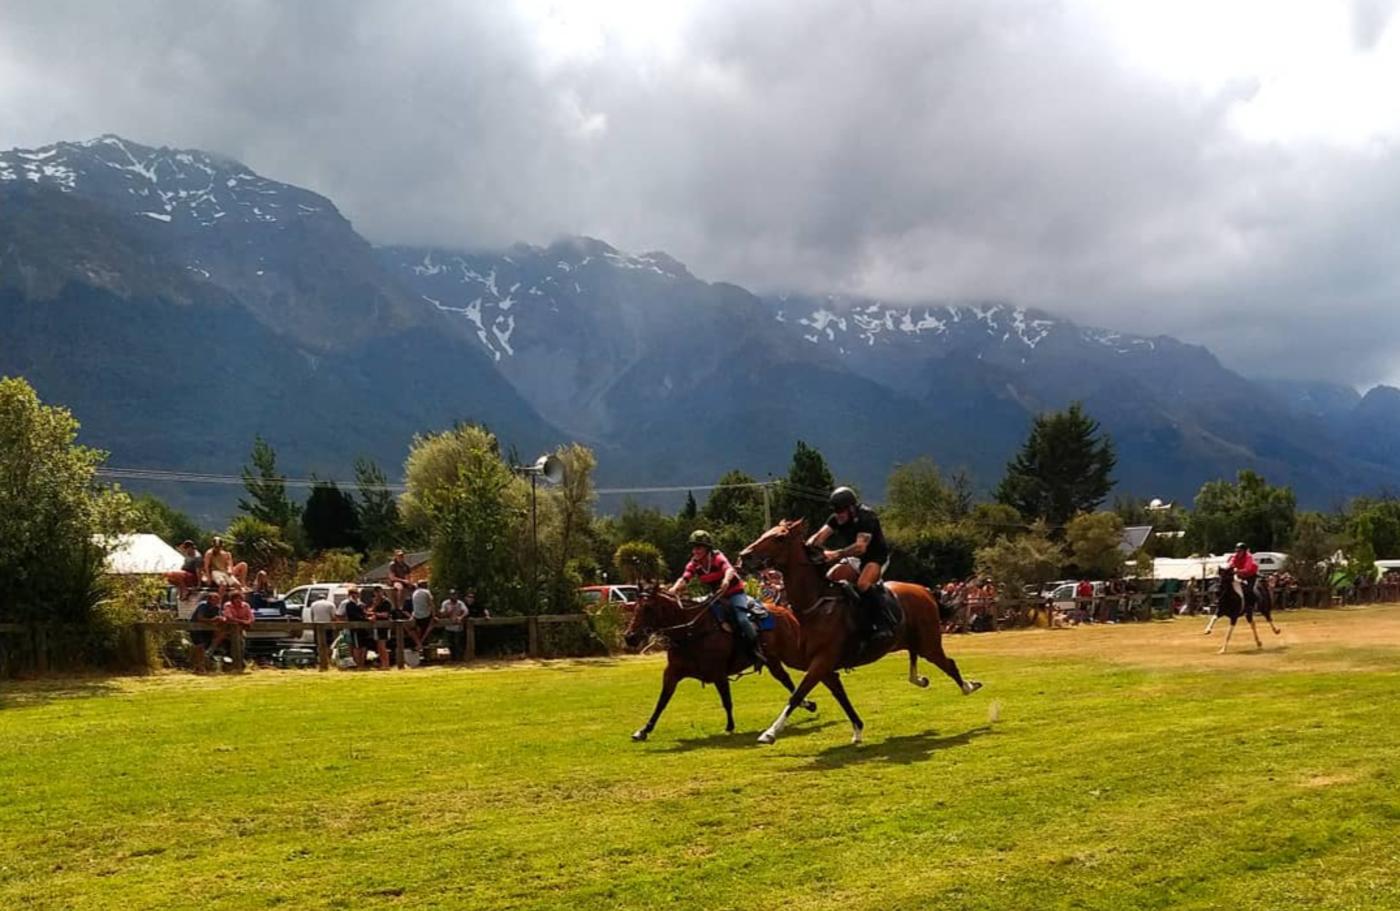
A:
x: 762, y: 619
x: 861, y: 646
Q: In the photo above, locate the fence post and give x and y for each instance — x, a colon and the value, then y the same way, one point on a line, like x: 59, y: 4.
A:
x: 532, y: 631
x: 237, y: 646
x: 469, y: 652
x: 398, y: 644
x: 143, y: 647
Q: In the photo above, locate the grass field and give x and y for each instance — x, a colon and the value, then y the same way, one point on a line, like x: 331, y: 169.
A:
x: 1130, y: 767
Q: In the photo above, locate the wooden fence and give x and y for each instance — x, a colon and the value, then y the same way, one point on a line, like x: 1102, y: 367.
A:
x: 35, y: 644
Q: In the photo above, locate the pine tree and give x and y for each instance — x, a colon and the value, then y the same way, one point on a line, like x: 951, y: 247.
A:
x: 377, y: 508
x: 267, y: 490
x: 1064, y: 468
x: 330, y: 519
x: 803, y: 493
x: 690, y: 510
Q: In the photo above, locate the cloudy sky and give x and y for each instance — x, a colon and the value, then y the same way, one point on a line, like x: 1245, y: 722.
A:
x: 1227, y: 172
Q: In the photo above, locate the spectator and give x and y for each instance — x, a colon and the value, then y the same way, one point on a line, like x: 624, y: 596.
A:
x: 186, y: 579
x: 322, y: 610
x: 454, y: 615
x: 262, y: 591
x: 422, y: 602
x: 237, y: 614
x: 475, y: 609
x: 221, y: 571
x: 377, y: 606
x: 208, y: 610
x: 360, y: 639
x: 398, y: 578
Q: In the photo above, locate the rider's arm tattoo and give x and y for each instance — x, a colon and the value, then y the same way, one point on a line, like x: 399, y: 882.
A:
x: 858, y: 548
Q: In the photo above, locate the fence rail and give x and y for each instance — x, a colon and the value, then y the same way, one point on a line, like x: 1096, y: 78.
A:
x: 37, y: 640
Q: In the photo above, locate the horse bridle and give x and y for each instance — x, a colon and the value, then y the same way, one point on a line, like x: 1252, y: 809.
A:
x: 699, y: 609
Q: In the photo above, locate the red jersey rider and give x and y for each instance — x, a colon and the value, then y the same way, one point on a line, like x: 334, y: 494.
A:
x: 711, y: 568
x: 1246, y: 570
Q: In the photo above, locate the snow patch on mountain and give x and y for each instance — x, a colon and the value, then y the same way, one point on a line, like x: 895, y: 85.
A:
x: 169, y: 186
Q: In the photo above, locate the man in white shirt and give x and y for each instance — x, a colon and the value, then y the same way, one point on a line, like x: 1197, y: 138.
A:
x: 422, y: 615
x: 322, y: 610
x: 454, y: 614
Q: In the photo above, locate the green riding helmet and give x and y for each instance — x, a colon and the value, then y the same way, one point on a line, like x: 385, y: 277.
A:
x: 701, y: 538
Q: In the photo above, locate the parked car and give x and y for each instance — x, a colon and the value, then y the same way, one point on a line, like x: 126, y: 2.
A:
x: 299, y: 600
x: 1063, y: 595
x: 595, y: 595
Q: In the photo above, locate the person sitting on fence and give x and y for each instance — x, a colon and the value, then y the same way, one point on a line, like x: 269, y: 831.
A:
x: 262, y: 591
x: 208, y: 610
x: 377, y: 607
x: 186, y: 578
x: 237, y: 613
x: 423, y: 612
x: 453, y: 612
x: 221, y: 571
x: 399, y: 583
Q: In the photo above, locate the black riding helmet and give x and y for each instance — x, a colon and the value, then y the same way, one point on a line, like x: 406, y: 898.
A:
x: 843, y: 498
x: 1241, y: 546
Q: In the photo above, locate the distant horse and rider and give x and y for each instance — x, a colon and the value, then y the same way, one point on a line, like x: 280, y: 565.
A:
x: 1241, y: 591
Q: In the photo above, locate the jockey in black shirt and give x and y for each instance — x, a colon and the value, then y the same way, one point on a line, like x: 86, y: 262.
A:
x: 854, y: 530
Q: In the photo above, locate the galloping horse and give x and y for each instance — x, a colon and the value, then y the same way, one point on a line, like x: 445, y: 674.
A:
x: 1232, y: 601
x: 827, y: 637
x: 699, y: 648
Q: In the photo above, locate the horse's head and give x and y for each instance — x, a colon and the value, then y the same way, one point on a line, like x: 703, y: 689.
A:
x: 1226, y: 573
x: 774, y: 546
x: 654, y: 611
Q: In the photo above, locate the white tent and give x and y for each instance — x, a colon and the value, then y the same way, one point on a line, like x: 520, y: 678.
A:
x: 1187, y: 567
x: 142, y: 555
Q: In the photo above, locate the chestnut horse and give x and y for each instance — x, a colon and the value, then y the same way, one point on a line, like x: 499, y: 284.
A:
x: 828, y: 637
x: 699, y: 648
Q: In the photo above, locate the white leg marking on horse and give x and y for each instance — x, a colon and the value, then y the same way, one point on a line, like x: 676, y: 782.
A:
x: 918, y: 680
x: 971, y: 686
x: 776, y: 728
x: 857, y: 735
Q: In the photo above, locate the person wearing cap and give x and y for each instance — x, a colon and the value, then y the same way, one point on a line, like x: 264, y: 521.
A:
x: 236, y: 612
x: 399, y: 583
x: 711, y: 568
x: 1246, y: 570
x: 859, y: 542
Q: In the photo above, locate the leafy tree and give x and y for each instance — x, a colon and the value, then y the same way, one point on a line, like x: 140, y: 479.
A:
x: 803, y: 493
x: 330, y: 520
x: 259, y: 544
x: 640, y: 523
x: 1377, y: 522
x: 53, y: 515
x: 917, y: 497
x: 639, y: 561
x: 734, y: 513
x: 267, y: 499
x: 933, y: 555
x: 377, y: 509
x: 1310, y: 554
x: 1064, y: 468
x: 567, y: 525
x: 963, y: 495
x: 476, y: 511
x: 154, y: 516
x: 1249, y: 510
x: 1093, y: 539
x: 989, y: 521
x: 1028, y: 559
x: 329, y: 566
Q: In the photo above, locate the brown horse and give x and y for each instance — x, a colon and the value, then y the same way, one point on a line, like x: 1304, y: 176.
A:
x: 697, y: 647
x: 828, y: 639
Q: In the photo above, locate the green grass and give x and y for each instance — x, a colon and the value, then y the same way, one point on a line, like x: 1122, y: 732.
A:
x: 1127, y: 770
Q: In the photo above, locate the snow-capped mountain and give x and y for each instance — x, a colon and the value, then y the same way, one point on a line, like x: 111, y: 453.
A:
x: 180, y: 302
x: 184, y: 188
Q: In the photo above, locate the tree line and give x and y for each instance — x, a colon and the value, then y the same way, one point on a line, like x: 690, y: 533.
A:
x: 1045, y: 519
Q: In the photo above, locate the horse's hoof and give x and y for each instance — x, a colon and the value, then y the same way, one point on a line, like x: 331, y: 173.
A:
x: 858, y: 737
x: 639, y: 736
x: 971, y: 686
x: 1221, y: 652
x: 809, y: 705
x: 767, y: 737
x: 728, y: 731
x: 920, y: 682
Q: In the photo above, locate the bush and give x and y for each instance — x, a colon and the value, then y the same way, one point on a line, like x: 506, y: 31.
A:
x: 639, y: 561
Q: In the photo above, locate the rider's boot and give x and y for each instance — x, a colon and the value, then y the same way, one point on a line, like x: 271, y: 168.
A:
x: 749, y: 633
x: 879, y: 623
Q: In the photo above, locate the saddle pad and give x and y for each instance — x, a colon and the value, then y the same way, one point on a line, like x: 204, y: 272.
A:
x: 760, y: 615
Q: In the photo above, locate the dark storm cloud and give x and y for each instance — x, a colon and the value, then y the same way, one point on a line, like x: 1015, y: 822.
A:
x: 907, y: 150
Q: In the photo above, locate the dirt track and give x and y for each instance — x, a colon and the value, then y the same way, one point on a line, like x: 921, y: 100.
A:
x: 1353, y: 638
